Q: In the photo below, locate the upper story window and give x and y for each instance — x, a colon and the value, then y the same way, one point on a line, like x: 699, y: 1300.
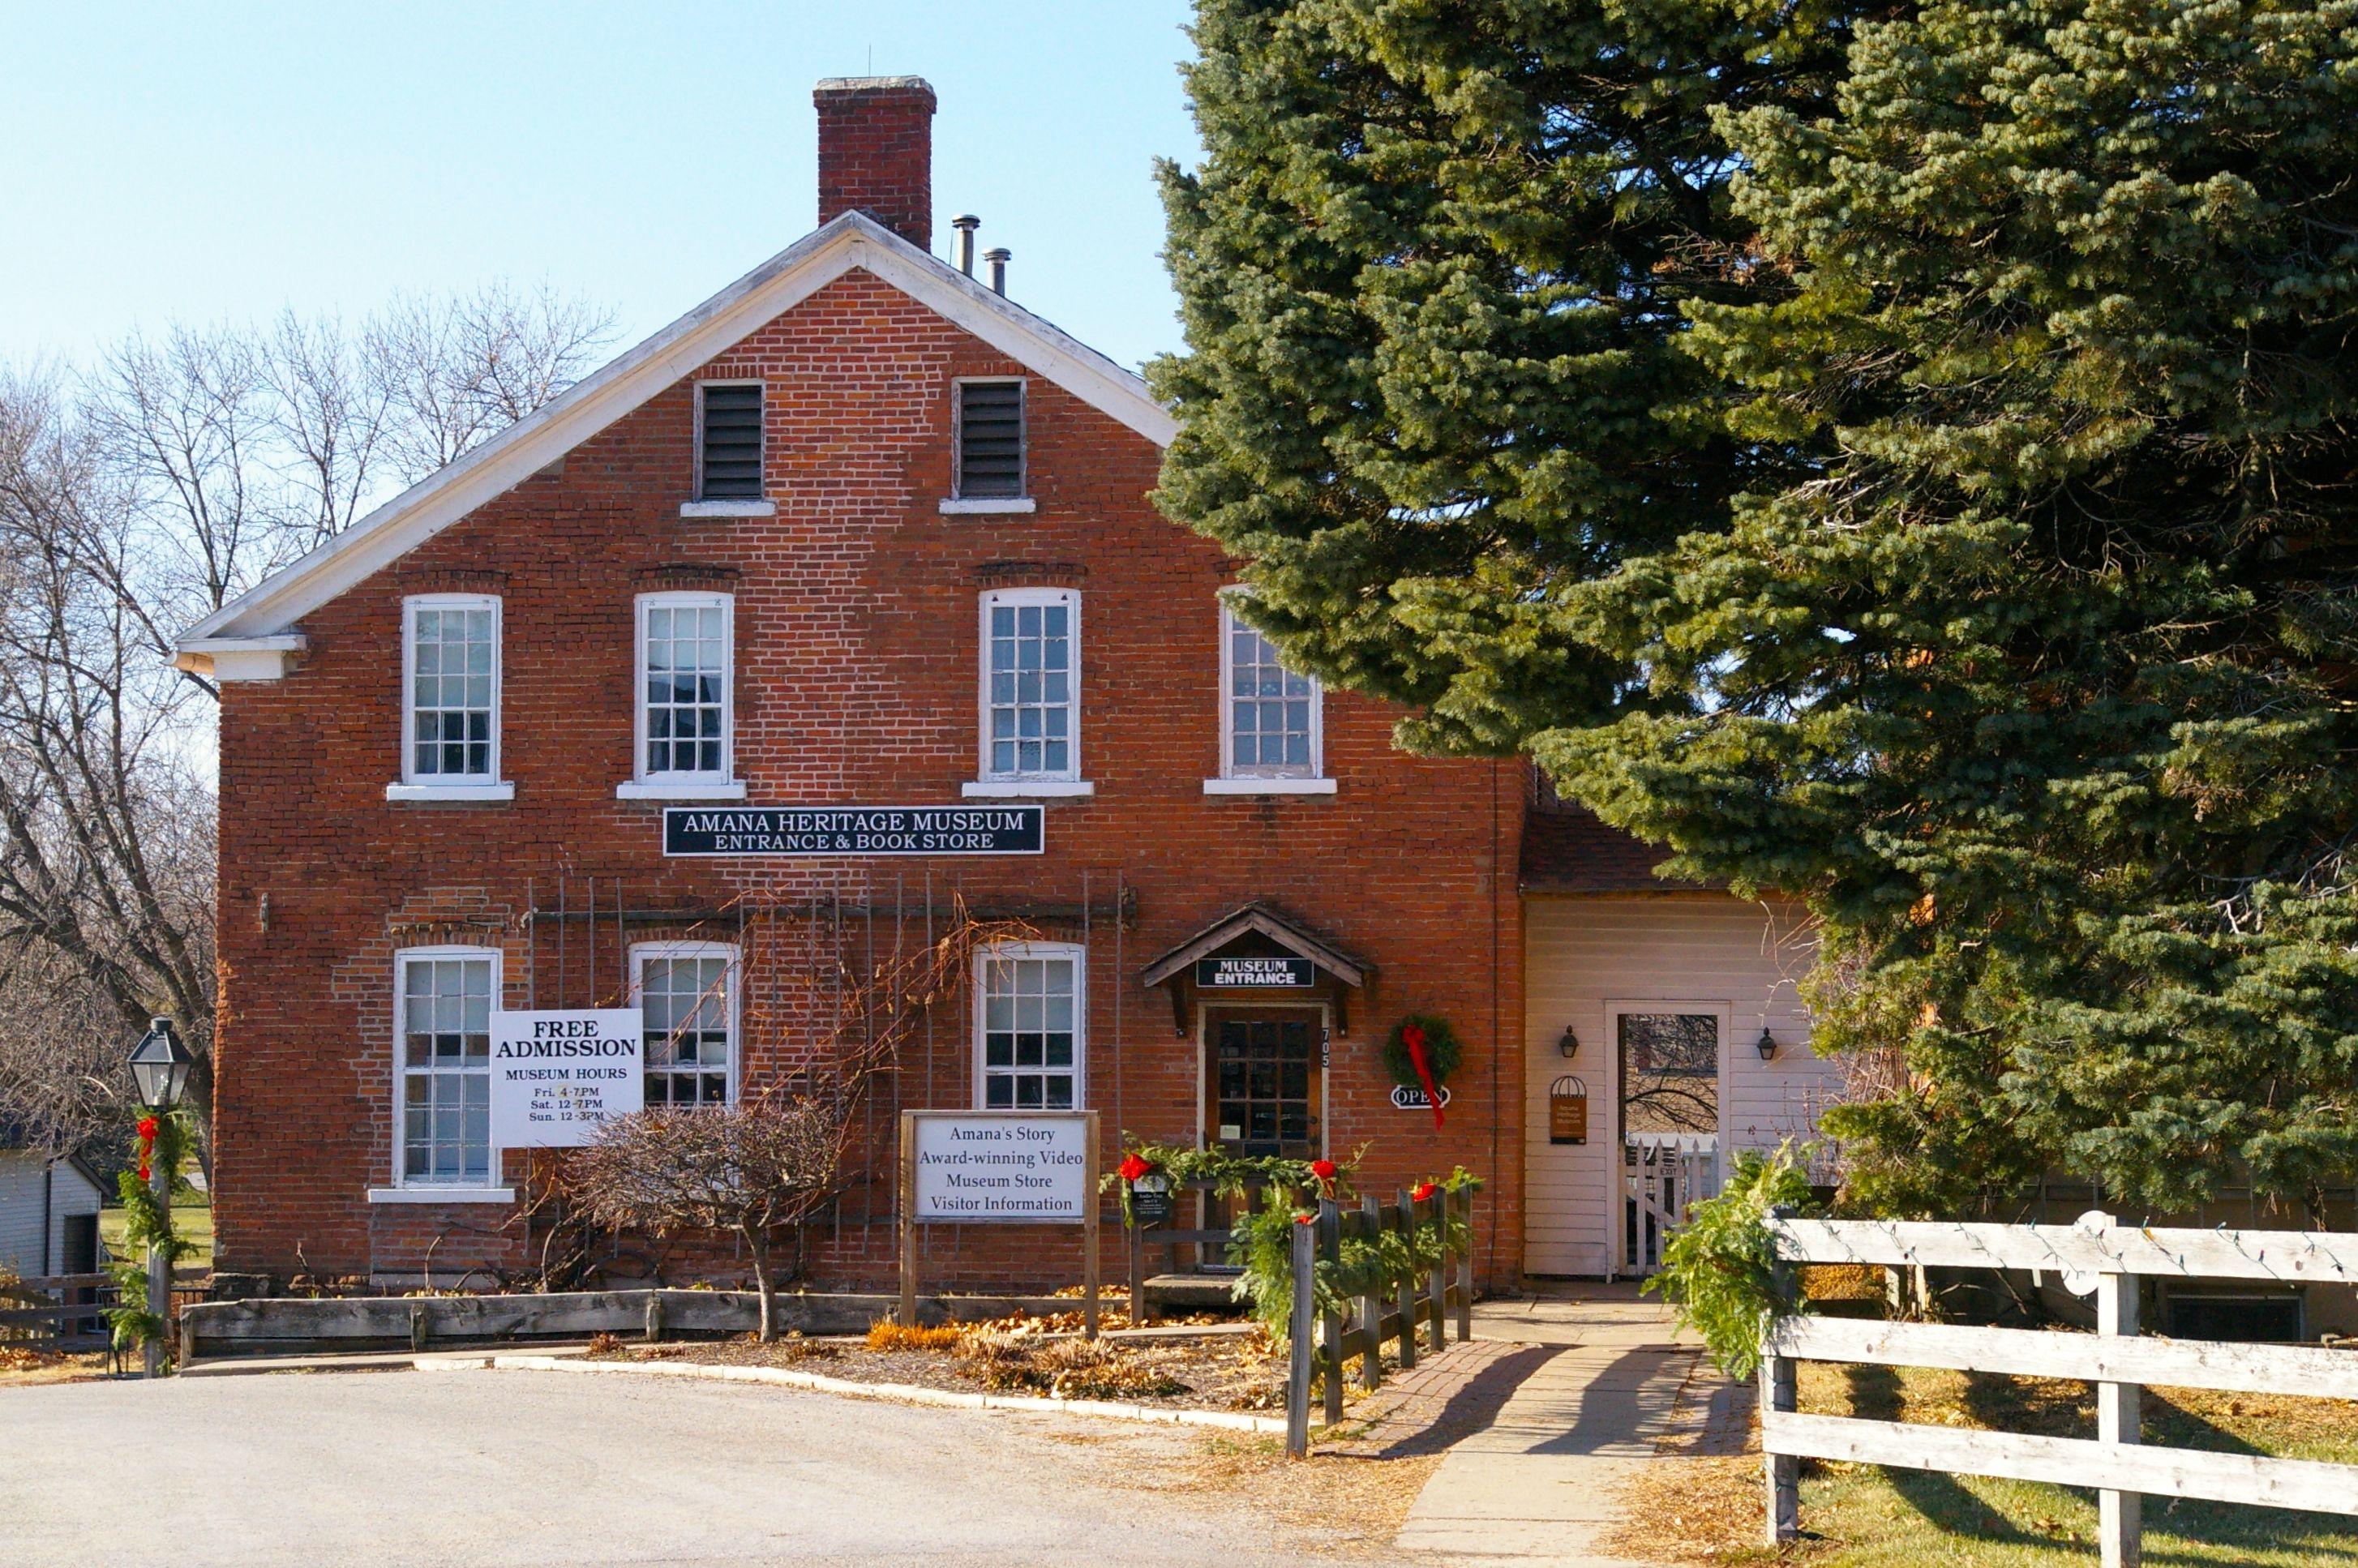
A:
x: 687, y: 997
x: 442, y: 1004
x: 989, y: 438
x: 684, y: 655
x: 1271, y: 719
x: 1030, y: 1028
x: 451, y: 699
x: 729, y: 440
x: 1030, y: 670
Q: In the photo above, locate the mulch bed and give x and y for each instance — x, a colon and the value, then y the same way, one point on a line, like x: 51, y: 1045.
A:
x: 1219, y: 1372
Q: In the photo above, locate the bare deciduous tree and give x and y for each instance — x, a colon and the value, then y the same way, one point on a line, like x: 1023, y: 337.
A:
x: 134, y: 502
x: 751, y: 1169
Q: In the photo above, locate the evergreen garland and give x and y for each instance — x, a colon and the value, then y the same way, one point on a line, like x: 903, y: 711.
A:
x: 148, y: 1224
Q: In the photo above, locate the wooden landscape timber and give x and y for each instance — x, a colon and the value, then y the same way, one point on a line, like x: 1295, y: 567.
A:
x: 290, y: 1324
x: 2098, y: 1257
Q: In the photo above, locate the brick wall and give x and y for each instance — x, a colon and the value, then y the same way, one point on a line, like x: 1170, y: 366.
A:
x: 855, y: 637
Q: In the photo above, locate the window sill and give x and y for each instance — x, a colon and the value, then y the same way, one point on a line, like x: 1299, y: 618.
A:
x: 696, y: 509
x: 683, y: 789
x: 462, y: 795
x: 1269, y: 787
x: 986, y: 506
x: 441, y: 1194
x: 1027, y: 789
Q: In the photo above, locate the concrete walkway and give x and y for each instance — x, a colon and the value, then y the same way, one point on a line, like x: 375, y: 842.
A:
x: 1607, y: 1382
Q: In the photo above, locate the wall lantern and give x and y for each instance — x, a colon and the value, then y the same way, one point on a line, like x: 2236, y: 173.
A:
x: 159, y: 1066
x: 1570, y: 1044
x: 1766, y: 1046
x: 1150, y: 1200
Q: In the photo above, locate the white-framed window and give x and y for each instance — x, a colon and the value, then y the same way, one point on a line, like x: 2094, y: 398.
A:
x: 450, y: 692
x: 1031, y: 1026
x: 685, y: 657
x: 1031, y: 684
x: 686, y: 993
x: 1271, y: 717
x: 442, y: 1002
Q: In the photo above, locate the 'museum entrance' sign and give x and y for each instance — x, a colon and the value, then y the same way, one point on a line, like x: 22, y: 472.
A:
x: 854, y: 831
x: 1223, y: 974
x: 556, y: 1077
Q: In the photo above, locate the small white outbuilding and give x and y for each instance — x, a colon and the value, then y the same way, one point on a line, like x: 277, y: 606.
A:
x: 49, y: 1210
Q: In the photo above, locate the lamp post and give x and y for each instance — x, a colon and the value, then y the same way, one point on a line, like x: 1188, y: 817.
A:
x: 160, y: 1066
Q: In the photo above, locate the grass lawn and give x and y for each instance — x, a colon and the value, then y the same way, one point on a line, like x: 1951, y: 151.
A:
x: 193, y: 1220
x: 1863, y: 1516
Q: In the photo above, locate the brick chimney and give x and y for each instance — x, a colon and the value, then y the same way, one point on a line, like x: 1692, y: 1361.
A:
x: 876, y: 152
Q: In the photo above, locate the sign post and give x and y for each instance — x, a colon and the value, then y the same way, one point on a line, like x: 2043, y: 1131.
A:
x: 557, y: 1077
x: 999, y: 1167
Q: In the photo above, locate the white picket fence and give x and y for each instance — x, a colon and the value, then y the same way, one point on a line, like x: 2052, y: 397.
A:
x: 2109, y: 1257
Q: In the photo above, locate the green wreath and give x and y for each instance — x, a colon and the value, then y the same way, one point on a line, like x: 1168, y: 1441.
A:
x: 1441, y: 1052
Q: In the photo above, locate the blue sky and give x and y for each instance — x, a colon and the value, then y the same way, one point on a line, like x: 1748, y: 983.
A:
x: 216, y: 162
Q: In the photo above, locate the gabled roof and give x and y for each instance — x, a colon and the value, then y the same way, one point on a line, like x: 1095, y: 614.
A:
x: 1278, y: 927
x: 1568, y: 851
x: 850, y: 242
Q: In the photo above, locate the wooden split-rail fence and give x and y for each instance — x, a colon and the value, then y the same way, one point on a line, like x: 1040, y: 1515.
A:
x: 1427, y: 1298
x: 2096, y: 1256
x: 66, y: 1311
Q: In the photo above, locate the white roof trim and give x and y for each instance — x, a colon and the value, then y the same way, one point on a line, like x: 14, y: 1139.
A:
x: 850, y: 242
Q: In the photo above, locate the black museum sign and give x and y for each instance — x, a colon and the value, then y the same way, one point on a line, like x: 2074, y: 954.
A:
x: 854, y: 831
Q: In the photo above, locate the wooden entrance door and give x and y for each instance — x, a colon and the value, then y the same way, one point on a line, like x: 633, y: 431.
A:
x: 1262, y: 1089
x: 1264, y: 1092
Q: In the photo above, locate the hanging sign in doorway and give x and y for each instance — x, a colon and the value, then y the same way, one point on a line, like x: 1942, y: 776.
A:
x: 854, y: 831
x: 1226, y: 973
x: 557, y: 1077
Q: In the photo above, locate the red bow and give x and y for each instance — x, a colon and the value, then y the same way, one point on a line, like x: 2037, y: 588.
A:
x: 148, y: 1125
x: 1133, y: 1167
x: 1414, y: 1038
x: 1423, y: 1191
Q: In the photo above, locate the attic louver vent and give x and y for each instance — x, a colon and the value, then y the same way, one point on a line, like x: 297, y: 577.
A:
x: 732, y: 443
x: 990, y: 438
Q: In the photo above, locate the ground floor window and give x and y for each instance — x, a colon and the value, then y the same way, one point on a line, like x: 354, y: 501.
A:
x: 1031, y: 1038
x: 444, y: 1005
x: 687, y: 993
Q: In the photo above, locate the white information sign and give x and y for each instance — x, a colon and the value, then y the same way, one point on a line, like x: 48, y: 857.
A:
x: 558, y: 1076
x: 1032, y: 1166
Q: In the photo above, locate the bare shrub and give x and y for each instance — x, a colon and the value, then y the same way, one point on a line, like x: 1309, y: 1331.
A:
x: 752, y: 1169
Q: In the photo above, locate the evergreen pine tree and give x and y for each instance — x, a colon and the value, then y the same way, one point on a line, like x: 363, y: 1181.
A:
x: 1904, y: 463
x: 2041, y: 687
x: 1431, y: 271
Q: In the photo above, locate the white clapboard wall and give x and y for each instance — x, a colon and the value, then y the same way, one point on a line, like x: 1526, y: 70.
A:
x: 2107, y: 1259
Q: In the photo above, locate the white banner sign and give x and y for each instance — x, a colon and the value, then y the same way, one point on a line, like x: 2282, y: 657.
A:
x: 558, y: 1076
x: 1021, y: 1165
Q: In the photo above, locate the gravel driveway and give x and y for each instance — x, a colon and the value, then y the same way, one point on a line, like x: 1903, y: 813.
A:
x: 527, y: 1468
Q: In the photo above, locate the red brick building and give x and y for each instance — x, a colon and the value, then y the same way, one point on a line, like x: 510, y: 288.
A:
x: 858, y: 531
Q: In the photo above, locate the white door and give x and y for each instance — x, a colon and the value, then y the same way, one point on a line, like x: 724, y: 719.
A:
x: 1670, y: 1072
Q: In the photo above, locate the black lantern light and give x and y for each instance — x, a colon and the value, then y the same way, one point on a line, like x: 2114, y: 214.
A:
x: 1570, y: 1044
x: 159, y: 1066
x: 1766, y: 1044
x: 1150, y: 1200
